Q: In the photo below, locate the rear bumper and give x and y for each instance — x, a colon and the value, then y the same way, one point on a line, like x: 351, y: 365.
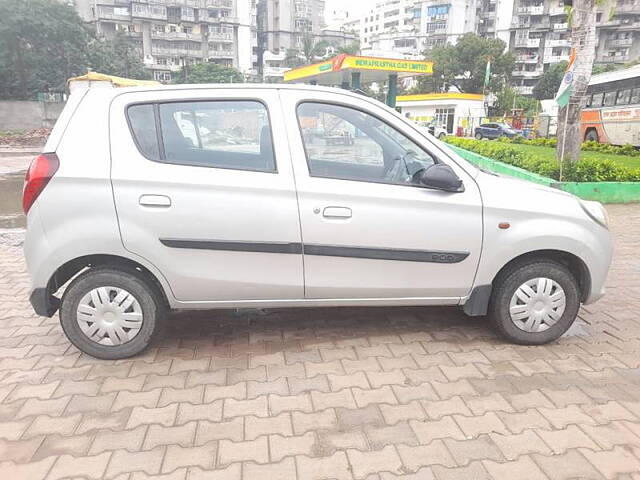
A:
x: 43, y: 302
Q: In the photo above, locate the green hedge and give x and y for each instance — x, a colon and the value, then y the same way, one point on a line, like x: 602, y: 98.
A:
x: 587, y: 170
x: 628, y: 150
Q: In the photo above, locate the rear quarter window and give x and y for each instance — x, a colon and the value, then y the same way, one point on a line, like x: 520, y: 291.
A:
x: 143, y: 126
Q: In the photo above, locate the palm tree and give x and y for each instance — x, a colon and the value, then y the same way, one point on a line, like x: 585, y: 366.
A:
x: 583, y: 40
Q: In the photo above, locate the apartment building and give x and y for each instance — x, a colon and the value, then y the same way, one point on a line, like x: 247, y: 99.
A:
x: 284, y: 23
x: 541, y: 37
x: 170, y: 34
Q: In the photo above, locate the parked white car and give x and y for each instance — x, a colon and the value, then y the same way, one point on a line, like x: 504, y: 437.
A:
x: 133, y: 211
x: 438, y: 131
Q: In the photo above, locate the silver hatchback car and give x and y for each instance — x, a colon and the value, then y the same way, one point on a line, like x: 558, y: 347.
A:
x: 197, y: 197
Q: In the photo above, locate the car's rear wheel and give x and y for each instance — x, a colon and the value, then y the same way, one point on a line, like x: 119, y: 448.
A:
x: 442, y: 135
x: 111, y: 314
x: 534, y: 302
x: 478, y: 136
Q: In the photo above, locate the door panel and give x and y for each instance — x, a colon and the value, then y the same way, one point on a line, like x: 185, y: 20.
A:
x: 398, y: 240
x: 216, y: 232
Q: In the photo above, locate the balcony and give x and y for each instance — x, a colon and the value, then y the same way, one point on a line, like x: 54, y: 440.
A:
x: 147, y: 11
x: 183, y: 3
x: 531, y: 10
x: 556, y: 58
x: 218, y: 3
x: 620, y: 42
x: 527, y: 59
x: 108, y: 14
x: 559, y: 42
x: 628, y: 7
x: 528, y: 73
x: 520, y: 23
x: 560, y: 26
x: 557, y: 10
x: 196, y: 37
x: 615, y: 58
x: 527, y: 42
x: 220, y: 54
x: 221, y: 36
x: 176, y: 51
x: 524, y: 90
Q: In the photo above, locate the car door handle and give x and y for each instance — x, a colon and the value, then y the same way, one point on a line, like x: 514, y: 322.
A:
x: 336, y: 212
x: 154, y: 201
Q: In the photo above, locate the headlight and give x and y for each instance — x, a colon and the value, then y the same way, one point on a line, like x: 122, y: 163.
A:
x: 596, y: 211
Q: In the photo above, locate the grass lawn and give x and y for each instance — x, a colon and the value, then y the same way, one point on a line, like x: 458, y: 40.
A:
x: 550, y: 153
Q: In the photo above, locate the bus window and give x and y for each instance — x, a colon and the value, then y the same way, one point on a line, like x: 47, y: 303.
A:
x: 596, y: 100
x: 610, y: 99
x: 623, y: 97
x: 635, y: 96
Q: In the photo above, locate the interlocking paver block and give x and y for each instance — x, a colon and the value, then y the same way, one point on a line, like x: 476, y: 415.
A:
x: 569, y: 465
x: 561, y: 417
x: 281, y: 447
x: 123, y: 461
x: 45, y: 425
x: 276, y: 387
x: 300, y: 402
x: 473, y: 471
x: 33, y: 470
x: 614, y: 462
x: 126, y: 399
x: 335, y: 467
x: 330, y: 441
x: 451, y: 406
x: 435, y: 453
x: 300, y: 385
x: 230, y: 430
x: 285, y: 470
x: 612, y: 434
x: 364, y: 463
x: 562, y: 440
x: 364, y: 397
x: 237, y: 408
x: 207, y: 411
x: 357, y: 379
x: 393, y: 414
x: 91, y: 467
x: 466, y: 451
x: 142, y: 416
x: 253, y: 450
x: 108, y: 440
x: 215, y: 392
x: 183, y: 435
x: 358, y: 417
x: 232, y: 472
x: 512, y: 446
x: 381, y: 436
x: 256, y: 426
x: 474, y: 426
x: 20, y: 451
x: 523, y: 467
x: 202, y: 456
x: 430, y: 430
x: 489, y: 403
x: 303, y: 422
x: 341, y: 399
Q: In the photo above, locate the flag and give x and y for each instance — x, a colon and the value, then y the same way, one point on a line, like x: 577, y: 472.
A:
x: 566, y: 86
x: 487, y: 73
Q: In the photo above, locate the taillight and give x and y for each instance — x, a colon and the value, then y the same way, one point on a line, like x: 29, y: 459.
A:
x: 40, y: 171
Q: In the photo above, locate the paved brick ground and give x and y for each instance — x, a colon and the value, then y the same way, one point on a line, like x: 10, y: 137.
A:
x: 309, y: 394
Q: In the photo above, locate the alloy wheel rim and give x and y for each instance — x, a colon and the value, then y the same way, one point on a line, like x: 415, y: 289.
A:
x: 109, y: 316
x: 537, y: 305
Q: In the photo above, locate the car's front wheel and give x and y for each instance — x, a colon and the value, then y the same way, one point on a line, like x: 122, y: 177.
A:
x: 442, y: 136
x: 478, y: 136
x: 534, y: 302
x: 111, y: 313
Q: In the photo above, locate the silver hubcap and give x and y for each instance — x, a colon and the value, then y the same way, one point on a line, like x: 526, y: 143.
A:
x: 537, y: 305
x: 109, y: 316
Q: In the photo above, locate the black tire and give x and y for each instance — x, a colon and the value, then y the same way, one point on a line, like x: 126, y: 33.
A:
x: 592, y: 136
x: 478, y: 136
x: 441, y: 136
x: 145, y: 291
x: 508, y: 282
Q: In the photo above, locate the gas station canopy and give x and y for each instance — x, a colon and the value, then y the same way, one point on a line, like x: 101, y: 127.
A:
x: 351, y: 71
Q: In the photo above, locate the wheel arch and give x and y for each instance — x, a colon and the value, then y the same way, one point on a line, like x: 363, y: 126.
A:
x: 75, y: 266
x: 478, y: 301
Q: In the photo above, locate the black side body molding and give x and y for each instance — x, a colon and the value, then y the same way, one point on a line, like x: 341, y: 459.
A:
x: 320, y: 250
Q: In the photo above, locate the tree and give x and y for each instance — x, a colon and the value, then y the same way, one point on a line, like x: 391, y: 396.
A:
x: 464, y: 64
x: 42, y: 44
x: 311, y: 49
x: 352, y: 48
x: 208, y: 72
x: 548, y: 85
x: 507, y: 99
x: 583, y: 40
x: 116, y: 56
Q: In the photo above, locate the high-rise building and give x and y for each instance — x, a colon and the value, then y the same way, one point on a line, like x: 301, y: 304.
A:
x: 536, y: 31
x: 170, y: 34
x: 282, y: 24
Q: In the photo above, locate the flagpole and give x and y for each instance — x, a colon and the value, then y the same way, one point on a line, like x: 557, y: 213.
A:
x: 564, y: 139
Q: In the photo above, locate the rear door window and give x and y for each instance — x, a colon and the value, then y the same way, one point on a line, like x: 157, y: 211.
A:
x: 623, y: 97
x: 610, y: 98
x: 635, y: 96
x: 232, y: 134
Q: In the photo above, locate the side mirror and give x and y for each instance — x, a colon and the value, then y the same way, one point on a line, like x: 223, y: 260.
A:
x: 442, y: 177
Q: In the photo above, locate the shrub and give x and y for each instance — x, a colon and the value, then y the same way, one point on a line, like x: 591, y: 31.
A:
x: 628, y: 150
x: 588, y: 170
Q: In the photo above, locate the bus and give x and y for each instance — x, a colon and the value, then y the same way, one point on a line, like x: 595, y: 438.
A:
x: 612, y: 114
